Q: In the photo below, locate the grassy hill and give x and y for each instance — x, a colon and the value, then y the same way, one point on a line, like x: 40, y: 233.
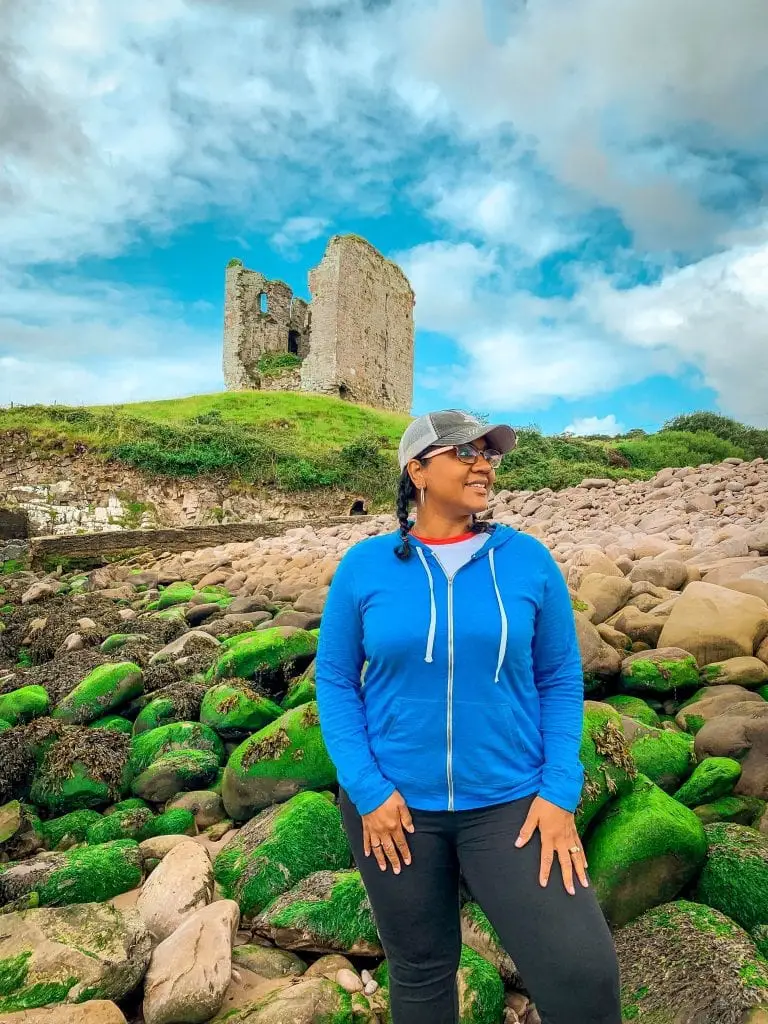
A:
x: 299, y: 442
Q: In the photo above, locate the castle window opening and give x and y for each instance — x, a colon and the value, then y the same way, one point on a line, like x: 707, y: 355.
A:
x: 293, y: 342
x: 263, y: 303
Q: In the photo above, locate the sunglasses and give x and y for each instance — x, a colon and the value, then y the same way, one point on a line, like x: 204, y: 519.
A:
x: 468, y: 454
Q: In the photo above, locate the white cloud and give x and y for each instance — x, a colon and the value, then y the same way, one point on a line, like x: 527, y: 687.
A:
x: 588, y: 426
x: 125, y: 121
x: 298, y: 230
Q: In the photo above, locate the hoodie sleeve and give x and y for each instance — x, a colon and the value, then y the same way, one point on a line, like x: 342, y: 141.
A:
x: 340, y: 659
x: 559, y: 679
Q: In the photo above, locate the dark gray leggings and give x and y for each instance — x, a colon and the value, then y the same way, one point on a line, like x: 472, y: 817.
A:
x: 560, y: 943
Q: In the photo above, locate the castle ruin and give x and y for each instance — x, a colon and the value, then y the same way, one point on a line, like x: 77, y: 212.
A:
x: 354, y: 340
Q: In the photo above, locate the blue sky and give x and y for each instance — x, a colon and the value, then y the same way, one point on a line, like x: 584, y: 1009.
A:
x: 574, y: 187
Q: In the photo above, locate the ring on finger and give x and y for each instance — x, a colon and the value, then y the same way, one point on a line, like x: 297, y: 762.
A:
x: 574, y: 849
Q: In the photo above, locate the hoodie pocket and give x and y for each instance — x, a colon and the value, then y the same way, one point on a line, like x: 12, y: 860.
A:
x: 488, y: 749
x: 413, y: 744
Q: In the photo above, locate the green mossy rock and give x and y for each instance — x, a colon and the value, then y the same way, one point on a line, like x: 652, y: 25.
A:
x: 81, y: 769
x: 328, y: 912
x: 115, y: 723
x: 68, y: 830
x: 82, y: 875
x: 70, y: 954
x: 759, y: 936
x: 118, y: 640
x: 302, y: 690
x: 190, y: 736
x: 175, y: 594
x: 644, y: 850
x: 284, y: 758
x: 179, y: 702
x: 22, y: 705
x: 128, y: 824
x: 713, y: 778
x: 634, y: 707
x: 741, y: 810
x: 316, y: 1000
x: 206, y: 806
x: 685, y: 962
x: 236, y: 711
x: 266, y: 655
x: 176, y: 822
x: 478, y: 933
x: 176, y: 772
x: 271, y: 854
x: 662, y: 676
x: 608, y: 766
x: 4, y: 725
x: 268, y: 962
x: 481, y: 990
x: 104, y: 689
x: 129, y: 804
x: 735, y: 876
x: 665, y: 757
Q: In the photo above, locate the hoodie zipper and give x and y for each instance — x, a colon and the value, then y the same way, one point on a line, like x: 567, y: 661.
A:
x: 449, y: 717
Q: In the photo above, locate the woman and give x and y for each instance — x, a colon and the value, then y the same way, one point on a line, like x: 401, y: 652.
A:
x: 459, y: 753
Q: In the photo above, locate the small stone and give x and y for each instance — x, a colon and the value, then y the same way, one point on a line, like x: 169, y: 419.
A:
x: 349, y: 981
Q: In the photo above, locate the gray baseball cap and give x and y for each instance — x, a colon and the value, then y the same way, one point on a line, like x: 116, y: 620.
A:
x: 451, y: 426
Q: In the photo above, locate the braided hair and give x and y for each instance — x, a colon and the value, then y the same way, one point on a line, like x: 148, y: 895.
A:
x: 406, y: 494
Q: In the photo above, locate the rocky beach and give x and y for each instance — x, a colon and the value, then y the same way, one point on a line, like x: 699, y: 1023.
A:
x: 170, y: 846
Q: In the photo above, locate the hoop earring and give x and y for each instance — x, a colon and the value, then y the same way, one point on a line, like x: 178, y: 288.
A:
x: 422, y: 492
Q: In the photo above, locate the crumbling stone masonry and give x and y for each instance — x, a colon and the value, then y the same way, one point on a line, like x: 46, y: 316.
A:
x: 354, y: 340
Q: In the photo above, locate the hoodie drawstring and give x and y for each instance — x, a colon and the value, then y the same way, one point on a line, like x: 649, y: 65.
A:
x: 432, y: 608
x: 502, y: 612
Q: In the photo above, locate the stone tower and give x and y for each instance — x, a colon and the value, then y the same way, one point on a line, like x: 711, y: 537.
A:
x: 354, y: 341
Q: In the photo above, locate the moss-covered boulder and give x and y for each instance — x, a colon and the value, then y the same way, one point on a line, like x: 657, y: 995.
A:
x: 115, y: 723
x: 301, y: 690
x: 634, y: 707
x: 644, y: 850
x: 269, y: 656
x: 309, y: 1001
x: 170, y: 596
x: 741, y: 810
x: 176, y: 772
x: 235, y: 710
x: 659, y: 671
x: 665, y: 757
x: 189, y: 736
x: 68, y: 830
x: 735, y: 876
x: 747, y: 671
x: 478, y: 933
x: 205, y: 805
x: 21, y: 832
x: 684, y: 962
x: 713, y: 778
x: 82, y: 875
x: 104, y: 689
x: 24, y: 704
x: 268, y: 962
x: 328, y: 912
x: 128, y: 824
x: 271, y: 853
x: 177, y: 821
x: 608, y: 766
x: 117, y: 640
x: 81, y: 768
x: 179, y: 702
x: 277, y: 762
x: 70, y: 954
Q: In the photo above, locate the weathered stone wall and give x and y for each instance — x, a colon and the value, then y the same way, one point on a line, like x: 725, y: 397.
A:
x: 361, y: 345
x: 355, y: 340
x: 251, y: 332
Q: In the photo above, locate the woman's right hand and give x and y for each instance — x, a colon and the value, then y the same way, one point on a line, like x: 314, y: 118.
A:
x: 383, y: 833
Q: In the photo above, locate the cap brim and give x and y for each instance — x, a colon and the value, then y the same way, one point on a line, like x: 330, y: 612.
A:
x: 499, y: 436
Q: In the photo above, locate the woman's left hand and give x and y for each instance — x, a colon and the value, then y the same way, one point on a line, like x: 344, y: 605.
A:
x: 558, y: 836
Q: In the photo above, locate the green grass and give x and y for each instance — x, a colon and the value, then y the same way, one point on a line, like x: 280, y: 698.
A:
x: 301, y: 442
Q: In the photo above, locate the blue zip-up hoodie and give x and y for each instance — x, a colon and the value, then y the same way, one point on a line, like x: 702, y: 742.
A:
x: 473, y: 693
